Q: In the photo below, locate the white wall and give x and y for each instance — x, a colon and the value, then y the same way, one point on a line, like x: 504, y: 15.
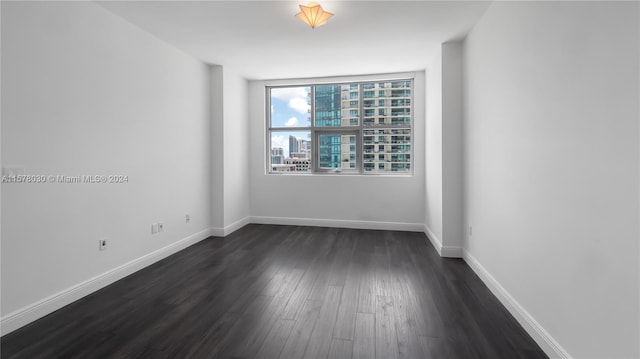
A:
x: 230, y: 150
x: 433, y: 151
x: 551, y: 169
x: 217, y: 149
x: 452, y: 105
x: 236, y: 150
x: 393, y: 202
x: 444, y: 196
x: 84, y: 93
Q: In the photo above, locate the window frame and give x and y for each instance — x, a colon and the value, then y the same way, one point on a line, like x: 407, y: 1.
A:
x: 316, y: 131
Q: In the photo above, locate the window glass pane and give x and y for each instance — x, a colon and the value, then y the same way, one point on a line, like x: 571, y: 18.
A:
x: 290, y: 151
x: 392, y: 107
x: 358, y: 127
x: 337, y: 105
x: 337, y: 151
x: 387, y: 150
x: 290, y: 107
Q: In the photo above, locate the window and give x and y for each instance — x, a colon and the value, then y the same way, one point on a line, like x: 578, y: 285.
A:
x: 354, y: 127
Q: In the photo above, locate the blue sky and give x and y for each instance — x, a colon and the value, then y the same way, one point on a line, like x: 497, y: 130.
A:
x: 289, y: 109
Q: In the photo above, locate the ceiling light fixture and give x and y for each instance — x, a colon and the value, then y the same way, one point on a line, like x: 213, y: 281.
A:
x: 313, y: 14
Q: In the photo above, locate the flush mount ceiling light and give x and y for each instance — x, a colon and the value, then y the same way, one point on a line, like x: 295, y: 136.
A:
x: 313, y: 14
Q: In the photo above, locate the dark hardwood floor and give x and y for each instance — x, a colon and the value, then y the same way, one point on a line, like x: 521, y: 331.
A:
x: 286, y: 292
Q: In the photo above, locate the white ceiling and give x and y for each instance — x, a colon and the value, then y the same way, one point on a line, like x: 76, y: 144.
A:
x: 264, y: 40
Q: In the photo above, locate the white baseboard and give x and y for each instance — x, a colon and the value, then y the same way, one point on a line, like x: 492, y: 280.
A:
x: 223, y: 232
x: 451, y: 252
x: 443, y: 251
x: 437, y: 244
x: 339, y: 223
x: 549, y: 345
x: 37, y: 310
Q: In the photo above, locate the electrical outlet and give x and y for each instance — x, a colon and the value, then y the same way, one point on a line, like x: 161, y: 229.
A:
x: 160, y: 227
x: 187, y: 218
x: 154, y: 228
x: 102, y: 244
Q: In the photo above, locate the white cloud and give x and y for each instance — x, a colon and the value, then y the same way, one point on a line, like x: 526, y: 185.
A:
x: 300, y: 105
x: 292, y: 122
x: 295, y: 97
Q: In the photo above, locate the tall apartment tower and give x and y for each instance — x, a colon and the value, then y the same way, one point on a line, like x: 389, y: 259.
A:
x: 279, y: 151
x: 386, y: 121
x: 328, y: 113
x: 294, y: 145
x: 277, y: 156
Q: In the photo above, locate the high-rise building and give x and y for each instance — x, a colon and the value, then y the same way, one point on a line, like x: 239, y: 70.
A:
x: 328, y: 105
x: 294, y: 145
x: 337, y: 151
x: 277, y: 160
x: 387, y: 105
x: 328, y: 113
x: 386, y: 117
x: 277, y: 156
x: 304, y: 145
x: 299, y: 148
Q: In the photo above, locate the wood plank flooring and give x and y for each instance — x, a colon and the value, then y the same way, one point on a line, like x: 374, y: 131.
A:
x: 286, y: 292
